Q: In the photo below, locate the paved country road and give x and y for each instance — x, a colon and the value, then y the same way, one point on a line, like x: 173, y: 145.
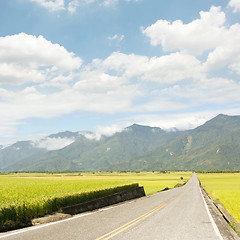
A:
x: 179, y: 213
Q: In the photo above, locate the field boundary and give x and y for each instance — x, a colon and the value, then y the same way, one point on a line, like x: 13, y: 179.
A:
x: 217, y: 208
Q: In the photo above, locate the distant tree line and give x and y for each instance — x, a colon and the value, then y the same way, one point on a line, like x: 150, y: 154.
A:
x: 219, y: 171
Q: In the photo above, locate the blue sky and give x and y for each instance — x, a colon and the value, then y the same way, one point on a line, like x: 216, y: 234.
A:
x: 102, y: 65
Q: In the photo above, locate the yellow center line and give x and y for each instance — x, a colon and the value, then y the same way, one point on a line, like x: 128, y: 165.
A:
x: 123, y: 229
x: 131, y: 223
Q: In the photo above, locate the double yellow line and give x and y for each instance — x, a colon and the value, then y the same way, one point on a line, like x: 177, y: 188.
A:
x: 131, y: 223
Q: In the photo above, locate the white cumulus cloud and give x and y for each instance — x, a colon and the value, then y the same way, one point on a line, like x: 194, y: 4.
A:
x: 12, y: 73
x: 27, y: 58
x: 235, y: 4
x: 194, y: 38
x: 227, y: 53
x: 165, y: 69
x: 209, y: 34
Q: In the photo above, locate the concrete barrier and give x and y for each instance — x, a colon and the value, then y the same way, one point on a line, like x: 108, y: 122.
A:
x: 105, y: 201
x: 229, y: 218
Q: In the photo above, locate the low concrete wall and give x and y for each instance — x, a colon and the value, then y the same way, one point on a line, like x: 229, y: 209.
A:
x: 105, y: 201
x: 229, y: 218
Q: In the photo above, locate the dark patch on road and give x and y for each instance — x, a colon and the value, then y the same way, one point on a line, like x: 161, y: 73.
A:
x: 50, y: 218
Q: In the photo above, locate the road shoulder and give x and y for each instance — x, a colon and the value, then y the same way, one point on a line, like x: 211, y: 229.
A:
x: 226, y: 231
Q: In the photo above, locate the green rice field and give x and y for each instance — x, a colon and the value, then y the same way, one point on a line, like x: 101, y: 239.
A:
x: 24, y: 196
x: 225, y: 188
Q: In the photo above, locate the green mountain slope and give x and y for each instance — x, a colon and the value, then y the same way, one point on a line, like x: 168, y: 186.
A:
x: 58, y: 160
x: 90, y: 155
x: 12, y: 157
x: 214, y: 145
x: 18, y: 152
x: 129, y: 143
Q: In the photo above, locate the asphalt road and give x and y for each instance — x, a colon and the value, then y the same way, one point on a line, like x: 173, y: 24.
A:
x: 179, y: 213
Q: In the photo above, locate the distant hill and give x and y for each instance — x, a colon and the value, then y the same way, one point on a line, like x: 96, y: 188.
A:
x: 89, y: 154
x: 18, y: 152
x: 214, y: 145
x: 21, y: 151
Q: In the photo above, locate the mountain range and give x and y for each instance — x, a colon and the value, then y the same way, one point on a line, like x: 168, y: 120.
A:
x: 214, y: 145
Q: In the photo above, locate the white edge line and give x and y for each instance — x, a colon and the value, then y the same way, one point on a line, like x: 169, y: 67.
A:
x: 64, y: 220
x: 211, y: 218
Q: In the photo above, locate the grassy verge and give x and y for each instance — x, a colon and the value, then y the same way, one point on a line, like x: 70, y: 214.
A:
x: 225, y: 189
